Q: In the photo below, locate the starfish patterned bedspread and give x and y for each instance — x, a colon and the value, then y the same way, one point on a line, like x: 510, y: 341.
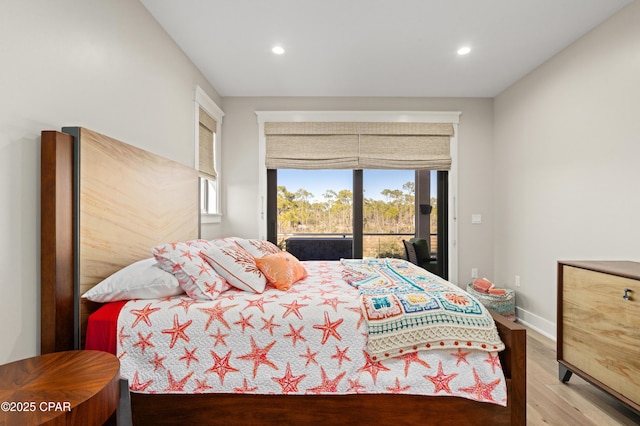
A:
x: 310, y: 339
x: 408, y: 309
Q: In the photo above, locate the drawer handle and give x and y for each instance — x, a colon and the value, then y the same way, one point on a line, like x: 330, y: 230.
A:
x: 626, y: 294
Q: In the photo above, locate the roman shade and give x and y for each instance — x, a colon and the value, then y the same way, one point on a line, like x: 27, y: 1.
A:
x: 206, y: 138
x: 358, y: 145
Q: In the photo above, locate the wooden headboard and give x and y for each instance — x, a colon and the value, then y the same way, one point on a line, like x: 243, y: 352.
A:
x: 104, y: 204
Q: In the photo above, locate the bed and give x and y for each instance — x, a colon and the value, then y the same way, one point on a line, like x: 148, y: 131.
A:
x: 105, y: 203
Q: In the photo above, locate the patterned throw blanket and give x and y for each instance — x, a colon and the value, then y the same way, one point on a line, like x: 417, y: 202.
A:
x: 409, y: 309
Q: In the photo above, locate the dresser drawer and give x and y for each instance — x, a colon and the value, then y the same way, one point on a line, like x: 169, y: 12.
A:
x: 601, y: 329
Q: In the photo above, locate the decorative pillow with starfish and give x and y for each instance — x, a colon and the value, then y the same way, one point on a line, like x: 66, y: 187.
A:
x: 197, y: 278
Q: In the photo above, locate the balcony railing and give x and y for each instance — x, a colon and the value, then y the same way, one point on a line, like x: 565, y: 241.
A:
x: 376, y: 245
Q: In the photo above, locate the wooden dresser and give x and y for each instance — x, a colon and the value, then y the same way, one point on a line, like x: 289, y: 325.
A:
x: 599, y: 326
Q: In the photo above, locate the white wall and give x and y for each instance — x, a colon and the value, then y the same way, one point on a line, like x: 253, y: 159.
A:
x: 104, y: 65
x: 566, y: 163
x: 240, y: 165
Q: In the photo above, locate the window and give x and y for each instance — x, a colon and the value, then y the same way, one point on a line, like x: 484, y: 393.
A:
x: 208, y: 196
x: 383, y: 140
x: 395, y: 205
x: 312, y: 202
x: 207, y: 150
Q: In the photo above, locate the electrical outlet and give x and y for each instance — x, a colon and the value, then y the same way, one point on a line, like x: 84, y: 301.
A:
x: 474, y: 272
x: 517, y: 280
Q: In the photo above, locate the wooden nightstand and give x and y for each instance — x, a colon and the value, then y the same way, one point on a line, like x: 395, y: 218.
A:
x: 60, y: 388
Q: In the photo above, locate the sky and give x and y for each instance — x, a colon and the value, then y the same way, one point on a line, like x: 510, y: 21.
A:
x: 319, y: 181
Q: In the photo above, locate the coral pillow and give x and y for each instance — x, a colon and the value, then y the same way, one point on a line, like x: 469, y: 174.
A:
x: 258, y: 248
x: 198, y: 279
x: 235, y: 265
x: 281, y: 269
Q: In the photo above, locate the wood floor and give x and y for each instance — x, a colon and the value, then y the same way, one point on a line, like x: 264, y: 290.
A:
x: 551, y: 402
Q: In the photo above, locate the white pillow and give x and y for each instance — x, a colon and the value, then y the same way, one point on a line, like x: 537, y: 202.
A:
x: 236, y: 266
x: 182, y: 259
x: 140, y: 280
x: 258, y: 248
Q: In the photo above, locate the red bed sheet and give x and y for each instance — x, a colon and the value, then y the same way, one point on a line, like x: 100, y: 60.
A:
x: 102, y: 327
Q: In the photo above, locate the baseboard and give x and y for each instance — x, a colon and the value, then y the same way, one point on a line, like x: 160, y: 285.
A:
x: 537, y: 323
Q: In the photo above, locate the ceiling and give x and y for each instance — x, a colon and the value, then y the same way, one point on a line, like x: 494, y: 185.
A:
x: 374, y: 47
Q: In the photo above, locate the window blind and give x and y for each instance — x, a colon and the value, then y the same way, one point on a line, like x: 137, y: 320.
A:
x: 347, y: 145
x: 206, y: 138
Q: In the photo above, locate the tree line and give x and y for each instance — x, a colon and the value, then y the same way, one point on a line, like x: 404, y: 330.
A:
x: 394, y: 213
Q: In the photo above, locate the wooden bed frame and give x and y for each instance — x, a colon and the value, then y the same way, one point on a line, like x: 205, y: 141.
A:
x: 105, y: 203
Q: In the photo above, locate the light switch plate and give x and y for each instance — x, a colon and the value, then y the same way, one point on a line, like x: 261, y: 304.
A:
x: 476, y: 218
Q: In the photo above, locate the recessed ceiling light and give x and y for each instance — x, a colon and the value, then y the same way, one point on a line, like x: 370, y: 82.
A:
x: 278, y: 50
x: 464, y: 50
